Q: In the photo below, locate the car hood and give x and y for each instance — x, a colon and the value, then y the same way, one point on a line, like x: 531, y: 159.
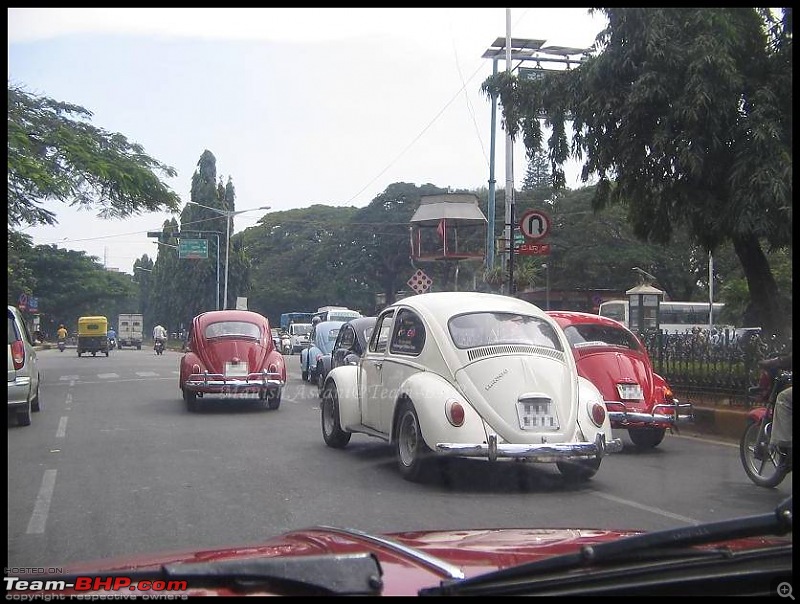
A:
x: 409, y: 561
x: 605, y: 369
x: 216, y: 353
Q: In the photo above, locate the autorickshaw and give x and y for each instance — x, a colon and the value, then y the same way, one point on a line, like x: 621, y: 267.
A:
x: 92, y: 335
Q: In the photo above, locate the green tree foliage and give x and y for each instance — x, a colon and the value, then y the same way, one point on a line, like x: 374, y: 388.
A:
x: 69, y: 284
x: 537, y: 175
x: 55, y: 154
x: 685, y: 118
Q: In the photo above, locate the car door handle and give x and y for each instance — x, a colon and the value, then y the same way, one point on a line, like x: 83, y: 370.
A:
x: 378, y: 364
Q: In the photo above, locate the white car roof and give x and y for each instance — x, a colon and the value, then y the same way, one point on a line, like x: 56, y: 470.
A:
x: 441, y: 304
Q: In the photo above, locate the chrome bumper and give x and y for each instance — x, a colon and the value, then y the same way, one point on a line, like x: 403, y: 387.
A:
x: 218, y: 382
x: 622, y: 419
x: 544, y: 452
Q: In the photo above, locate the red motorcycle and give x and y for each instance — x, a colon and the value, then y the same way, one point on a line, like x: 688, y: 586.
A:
x: 765, y: 464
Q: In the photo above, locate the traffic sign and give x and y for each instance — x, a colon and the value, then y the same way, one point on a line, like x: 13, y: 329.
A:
x: 534, y: 224
x: 193, y: 248
x: 532, y: 249
x: 420, y: 282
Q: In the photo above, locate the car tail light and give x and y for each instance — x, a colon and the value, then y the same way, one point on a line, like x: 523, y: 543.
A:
x: 18, y: 353
x: 454, y: 411
x: 597, y: 412
x: 273, y: 369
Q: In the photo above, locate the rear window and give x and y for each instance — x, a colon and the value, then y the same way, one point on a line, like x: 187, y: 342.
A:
x: 587, y: 335
x: 13, y: 334
x: 225, y: 329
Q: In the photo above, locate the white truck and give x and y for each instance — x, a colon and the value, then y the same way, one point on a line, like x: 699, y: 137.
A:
x: 131, y: 330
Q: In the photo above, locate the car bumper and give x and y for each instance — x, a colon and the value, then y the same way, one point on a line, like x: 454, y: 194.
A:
x: 19, y: 392
x: 545, y: 452
x: 662, y: 416
x: 215, y: 383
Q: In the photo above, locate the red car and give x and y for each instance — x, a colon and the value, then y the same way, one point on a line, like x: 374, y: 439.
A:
x: 231, y: 351
x: 740, y: 556
x: 613, y: 358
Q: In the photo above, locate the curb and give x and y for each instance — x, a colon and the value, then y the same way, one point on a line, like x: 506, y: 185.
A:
x: 717, y: 421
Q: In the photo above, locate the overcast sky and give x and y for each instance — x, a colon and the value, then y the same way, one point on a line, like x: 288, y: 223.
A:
x: 299, y: 106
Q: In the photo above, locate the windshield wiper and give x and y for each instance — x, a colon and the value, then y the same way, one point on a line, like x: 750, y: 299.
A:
x: 350, y: 574
x: 778, y: 522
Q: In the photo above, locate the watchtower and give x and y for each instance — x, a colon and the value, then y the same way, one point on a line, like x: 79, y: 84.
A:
x: 448, y: 227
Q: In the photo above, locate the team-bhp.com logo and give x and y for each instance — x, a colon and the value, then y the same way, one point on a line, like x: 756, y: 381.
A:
x: 36, y: 588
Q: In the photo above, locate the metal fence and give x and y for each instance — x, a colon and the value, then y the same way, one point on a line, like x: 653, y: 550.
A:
x: 711, y: 365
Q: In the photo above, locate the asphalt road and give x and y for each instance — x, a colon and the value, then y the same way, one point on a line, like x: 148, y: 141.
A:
x: 114, y: 464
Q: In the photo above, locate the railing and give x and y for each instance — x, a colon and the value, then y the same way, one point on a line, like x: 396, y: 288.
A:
x: 702, y: 364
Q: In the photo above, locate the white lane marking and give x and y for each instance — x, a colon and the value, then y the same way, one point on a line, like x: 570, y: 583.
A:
x: 68, y: 399
x: 107, y: 376
x: 648, y: 508
x: 147, y: 373
x: 65, y: 378
x: 62, y: 427
x: 42, y: 505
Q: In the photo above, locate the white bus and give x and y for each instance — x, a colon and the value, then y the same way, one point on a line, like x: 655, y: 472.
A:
x: 673, y: 316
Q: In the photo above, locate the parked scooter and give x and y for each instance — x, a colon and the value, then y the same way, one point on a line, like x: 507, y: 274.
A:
x: 62, y: 344
x: 765, y: 464
x: 159, y: 347
x: 286, y: 343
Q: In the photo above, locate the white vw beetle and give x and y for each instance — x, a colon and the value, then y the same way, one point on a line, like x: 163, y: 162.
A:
x: 472, y: 375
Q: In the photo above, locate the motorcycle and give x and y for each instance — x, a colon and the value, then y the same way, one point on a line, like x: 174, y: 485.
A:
x: 159, y: 347
x: 62, y: 344
x: 112, y: 343
x: 286, y: 344
x: 765, y: 464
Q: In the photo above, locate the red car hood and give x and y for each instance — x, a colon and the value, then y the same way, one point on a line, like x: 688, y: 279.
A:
x: 409, y: 561
x: 606, y: 369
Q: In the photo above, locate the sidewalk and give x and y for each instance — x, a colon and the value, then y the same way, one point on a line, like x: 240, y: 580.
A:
x: 715, y: 418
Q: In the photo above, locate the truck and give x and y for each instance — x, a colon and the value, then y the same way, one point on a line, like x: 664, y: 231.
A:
x: 131, y: 330
x: 288, y: 318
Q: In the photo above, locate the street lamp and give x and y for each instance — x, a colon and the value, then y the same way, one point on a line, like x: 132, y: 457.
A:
x: 546, y: 286
x: 228, y: 215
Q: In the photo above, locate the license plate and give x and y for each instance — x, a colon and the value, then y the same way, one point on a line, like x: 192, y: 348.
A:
x: 630, y: 392
x: 537, y: 415
x: 236, y: 369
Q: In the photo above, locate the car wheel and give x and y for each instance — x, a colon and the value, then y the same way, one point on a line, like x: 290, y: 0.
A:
x: 646, y: 438
x: 273, y: 400
x: 304, y: 375
x: 411, y: 452
x: 332, y: 431
x: 35, y: 405
x: 190, y: 397
x: 24, y: 416
x: 578, y: 469
x: 320, y: 382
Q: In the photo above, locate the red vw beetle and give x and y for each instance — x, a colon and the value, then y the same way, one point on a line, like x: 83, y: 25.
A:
x: 615, y: 360
x: 231, y: 351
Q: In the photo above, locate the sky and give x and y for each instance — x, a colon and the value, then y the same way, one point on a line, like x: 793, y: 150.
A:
x: 299, y: 106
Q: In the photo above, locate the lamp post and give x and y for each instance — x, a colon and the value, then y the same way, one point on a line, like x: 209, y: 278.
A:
x: 546, y: 286
x: 228, y: 216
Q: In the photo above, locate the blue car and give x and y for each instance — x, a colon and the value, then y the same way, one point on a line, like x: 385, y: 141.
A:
x: 321, y: 340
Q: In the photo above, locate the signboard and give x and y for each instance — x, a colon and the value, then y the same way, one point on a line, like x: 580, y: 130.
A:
x: 533, y: 249
x: 534, y: 224
x: 241, y: 303
x: 23, y: 302
x: 193, y: 249
x: 420, y: 282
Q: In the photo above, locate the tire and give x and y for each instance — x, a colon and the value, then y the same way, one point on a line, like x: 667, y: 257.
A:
x: 412, y: 454
x: 35, y: 404
x: 579, y: 469
x: 24, y: 416
x: 332, y: 431
x: 106, y: 352
x: 190, y: 398
x: 273, y: 401
x: 646, y: 438
x: 138, y: 347
x: 304, y: 375
x: 320, y: 382
x: 767, y: 472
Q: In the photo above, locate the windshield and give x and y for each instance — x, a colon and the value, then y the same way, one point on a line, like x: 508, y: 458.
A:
x: 208, y: 171
x: 481, y: 329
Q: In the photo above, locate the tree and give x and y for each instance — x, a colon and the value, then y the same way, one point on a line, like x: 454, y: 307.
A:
x: 685, y: 118
x: 537, y: 175
x: 54, y: 153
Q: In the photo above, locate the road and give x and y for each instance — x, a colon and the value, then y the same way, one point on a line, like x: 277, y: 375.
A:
x: 114, y: 464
